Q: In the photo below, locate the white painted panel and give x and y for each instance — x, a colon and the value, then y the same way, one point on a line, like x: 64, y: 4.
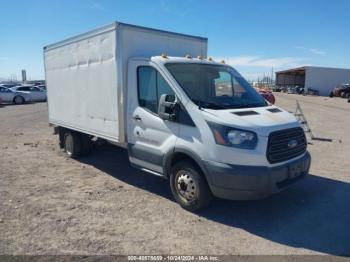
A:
x: 325, y: 79
x: 81, y: 81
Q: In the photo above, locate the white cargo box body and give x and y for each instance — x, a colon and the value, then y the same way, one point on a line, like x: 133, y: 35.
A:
x: 86, y: 75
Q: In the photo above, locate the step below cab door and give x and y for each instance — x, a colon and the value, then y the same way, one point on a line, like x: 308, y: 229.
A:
x: 149, y: 136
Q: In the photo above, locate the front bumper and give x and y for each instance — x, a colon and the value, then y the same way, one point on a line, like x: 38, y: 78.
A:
x: 239, y: 182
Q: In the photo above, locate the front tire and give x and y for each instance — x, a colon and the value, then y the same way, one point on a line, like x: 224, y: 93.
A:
x: 18, y: 100
x: 189, y: 187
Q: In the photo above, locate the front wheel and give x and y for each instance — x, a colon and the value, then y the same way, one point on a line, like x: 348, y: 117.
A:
x: 189, y: 187
x: 18, y: 100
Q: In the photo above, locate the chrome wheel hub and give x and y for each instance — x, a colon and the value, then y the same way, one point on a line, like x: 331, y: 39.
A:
x: 186, y: 186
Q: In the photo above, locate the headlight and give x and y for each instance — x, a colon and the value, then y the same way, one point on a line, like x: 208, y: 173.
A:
x: 229, y: 136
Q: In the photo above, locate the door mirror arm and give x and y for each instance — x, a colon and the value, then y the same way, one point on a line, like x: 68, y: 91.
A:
x: 167, y: 107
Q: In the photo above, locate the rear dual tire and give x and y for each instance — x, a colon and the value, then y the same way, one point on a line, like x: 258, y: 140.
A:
x: 72, y: 144
x: 75, y: 144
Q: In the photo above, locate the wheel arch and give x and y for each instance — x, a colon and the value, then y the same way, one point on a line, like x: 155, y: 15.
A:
x: 19, y: 95
x: 182, y: 154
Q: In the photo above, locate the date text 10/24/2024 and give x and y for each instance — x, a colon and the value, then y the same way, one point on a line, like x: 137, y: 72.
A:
x: 173, y: 258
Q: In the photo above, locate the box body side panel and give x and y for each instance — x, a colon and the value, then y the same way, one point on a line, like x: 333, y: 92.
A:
x: 82, y: 85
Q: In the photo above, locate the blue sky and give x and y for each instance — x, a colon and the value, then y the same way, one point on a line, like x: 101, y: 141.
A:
x: 251, y: 35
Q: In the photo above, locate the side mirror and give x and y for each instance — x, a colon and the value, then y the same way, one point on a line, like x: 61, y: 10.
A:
x: 166, y: 108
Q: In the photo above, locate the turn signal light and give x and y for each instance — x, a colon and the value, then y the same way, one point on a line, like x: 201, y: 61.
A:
x: 219, y: 138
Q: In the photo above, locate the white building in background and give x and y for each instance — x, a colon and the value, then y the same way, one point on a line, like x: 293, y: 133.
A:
x: 323, y: 79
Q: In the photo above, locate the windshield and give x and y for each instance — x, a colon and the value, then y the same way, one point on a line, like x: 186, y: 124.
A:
x: 215, y: 86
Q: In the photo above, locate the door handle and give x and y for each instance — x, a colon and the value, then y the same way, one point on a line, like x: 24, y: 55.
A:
x: 137, y: 118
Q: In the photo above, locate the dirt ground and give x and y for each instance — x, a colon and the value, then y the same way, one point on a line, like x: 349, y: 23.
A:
x: 50, y: 204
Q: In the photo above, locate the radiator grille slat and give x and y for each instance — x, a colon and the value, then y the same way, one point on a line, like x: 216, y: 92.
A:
x: 278, y: 149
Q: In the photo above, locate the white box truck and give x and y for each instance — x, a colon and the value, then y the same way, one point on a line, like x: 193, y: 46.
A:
x: 179, y: 114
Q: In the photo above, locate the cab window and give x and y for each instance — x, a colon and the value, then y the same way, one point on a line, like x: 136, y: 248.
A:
x: 151, y: 85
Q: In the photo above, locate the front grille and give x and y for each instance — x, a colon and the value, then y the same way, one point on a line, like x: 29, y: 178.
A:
x: 278, y: 149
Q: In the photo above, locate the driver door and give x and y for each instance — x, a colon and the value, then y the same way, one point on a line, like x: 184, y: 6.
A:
x: 149, y: 136
x: 37, y: 94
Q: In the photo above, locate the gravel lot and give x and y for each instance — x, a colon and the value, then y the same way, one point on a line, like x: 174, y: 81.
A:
x: 50, y: 204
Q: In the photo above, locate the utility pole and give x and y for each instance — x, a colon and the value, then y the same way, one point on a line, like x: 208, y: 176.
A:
x: 272, y: 76
x: 264, y: 79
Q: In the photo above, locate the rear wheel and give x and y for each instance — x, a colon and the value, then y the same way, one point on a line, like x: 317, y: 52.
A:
x: 72, y: 144
x: 86, y: 144
x: 189, y: 187
x: 18, y: 100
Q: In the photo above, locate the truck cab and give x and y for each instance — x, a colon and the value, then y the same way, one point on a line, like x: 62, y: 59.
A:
x: 200, y: 124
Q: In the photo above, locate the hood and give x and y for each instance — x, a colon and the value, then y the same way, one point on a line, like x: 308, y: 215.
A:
x: 261, y: 120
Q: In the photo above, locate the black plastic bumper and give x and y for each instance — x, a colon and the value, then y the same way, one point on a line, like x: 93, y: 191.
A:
x: 239, y: 182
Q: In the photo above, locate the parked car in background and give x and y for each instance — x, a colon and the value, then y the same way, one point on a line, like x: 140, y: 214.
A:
x: 42, y: 86
x: 8, y: 85
x: 276, y: 89
x: 291, y: 90
x: 312, y: 92
x: 345, y: 93
x: 10, y: 96
x: 300, y: 90
x: 267, y: 94
x: 36, y: 93
x: 341, y: 91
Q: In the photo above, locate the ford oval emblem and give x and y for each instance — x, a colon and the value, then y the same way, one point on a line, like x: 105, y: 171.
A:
x: 292, y: 143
